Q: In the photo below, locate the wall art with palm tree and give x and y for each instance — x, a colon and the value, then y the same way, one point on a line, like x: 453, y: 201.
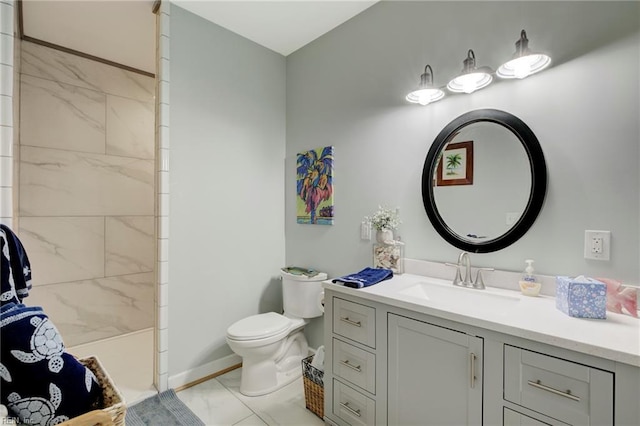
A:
x: 314, y: 178
x: 455, y: 166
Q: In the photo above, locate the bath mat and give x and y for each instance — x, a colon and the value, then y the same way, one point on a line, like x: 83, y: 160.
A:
x: 164, y: 409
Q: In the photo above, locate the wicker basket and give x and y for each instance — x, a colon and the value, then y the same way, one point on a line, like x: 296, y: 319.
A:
x: 313, y: 387
x: 113, y: 401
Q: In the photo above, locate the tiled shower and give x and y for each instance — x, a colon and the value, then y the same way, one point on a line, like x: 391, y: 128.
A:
x: 86, y: 196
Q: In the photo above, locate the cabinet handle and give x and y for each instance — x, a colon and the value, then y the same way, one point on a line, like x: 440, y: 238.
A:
x: 345, y: 405
x: 351, y: 322
x: 567, y: 394
x: 346, y: 363
x: 472, y: 361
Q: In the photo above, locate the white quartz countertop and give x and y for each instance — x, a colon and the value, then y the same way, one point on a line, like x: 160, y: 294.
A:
x: 616, y: 338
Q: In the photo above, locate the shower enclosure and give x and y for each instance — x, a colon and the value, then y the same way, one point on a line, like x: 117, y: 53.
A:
x: 84, y: 194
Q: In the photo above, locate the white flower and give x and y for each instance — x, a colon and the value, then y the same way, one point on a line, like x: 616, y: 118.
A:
x: 384, y: 219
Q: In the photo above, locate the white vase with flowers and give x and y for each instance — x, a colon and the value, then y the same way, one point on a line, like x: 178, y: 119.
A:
x: 384, y: 221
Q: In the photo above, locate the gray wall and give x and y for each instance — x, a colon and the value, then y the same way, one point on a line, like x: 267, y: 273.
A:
x: 232, y: 193
x: 347, y: 89
x: 226, y: 188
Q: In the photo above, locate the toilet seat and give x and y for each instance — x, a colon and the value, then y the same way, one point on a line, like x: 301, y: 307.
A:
x: 261, y: 326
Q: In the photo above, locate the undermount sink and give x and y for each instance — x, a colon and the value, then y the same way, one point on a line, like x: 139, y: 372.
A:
x: 460, y: 298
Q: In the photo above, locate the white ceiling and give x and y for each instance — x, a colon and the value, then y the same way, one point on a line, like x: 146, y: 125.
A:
x: 124, y: 31
x: 282, y: 26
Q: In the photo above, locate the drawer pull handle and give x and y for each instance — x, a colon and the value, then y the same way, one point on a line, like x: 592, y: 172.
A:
x: 567, y: 394
x: 346, y: 363
x: 345, y: 405
x: 351, y: 322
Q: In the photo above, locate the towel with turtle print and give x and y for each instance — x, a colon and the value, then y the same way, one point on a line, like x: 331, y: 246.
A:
x: 40, y: 383
x: 15, y: 269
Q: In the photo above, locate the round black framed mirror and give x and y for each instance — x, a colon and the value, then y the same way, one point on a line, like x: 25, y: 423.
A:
x: 484, y: 181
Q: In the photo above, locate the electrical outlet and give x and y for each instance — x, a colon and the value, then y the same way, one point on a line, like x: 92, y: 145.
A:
x: 597, y: 245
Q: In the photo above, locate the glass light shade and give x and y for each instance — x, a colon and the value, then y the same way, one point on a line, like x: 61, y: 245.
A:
x: 524, y: 62
x: 469, y: 83
x: 471, y: 78
x: 524, y: 66
x: 426, y: 93
x: 425, y: 96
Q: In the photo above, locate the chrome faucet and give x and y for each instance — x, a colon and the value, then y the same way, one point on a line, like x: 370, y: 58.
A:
x: 464, y: 256
x: 464, y: 260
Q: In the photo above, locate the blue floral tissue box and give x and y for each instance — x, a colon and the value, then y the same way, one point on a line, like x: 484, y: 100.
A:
x: 581, y: 297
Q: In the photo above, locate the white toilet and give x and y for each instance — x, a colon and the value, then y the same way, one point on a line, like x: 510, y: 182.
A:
x: 271, y: 345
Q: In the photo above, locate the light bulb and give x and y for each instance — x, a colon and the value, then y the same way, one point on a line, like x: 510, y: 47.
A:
x: 522, y: 70
x: 424, y: 99
x: 425, y: 96
x: 469, y: 83
x: 522, y: 66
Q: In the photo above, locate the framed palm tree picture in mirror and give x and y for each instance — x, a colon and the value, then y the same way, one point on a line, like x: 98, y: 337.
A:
x: 314, y: 186
x: 456, y: 165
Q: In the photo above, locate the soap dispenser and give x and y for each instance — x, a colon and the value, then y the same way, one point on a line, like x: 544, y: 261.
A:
x: 529, y: 284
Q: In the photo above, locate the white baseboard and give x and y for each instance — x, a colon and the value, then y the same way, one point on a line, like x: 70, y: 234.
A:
x: 201, y: 371
x: 197, y: 373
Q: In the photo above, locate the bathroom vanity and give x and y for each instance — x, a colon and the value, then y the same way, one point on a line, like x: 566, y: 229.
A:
x: 415, y: 350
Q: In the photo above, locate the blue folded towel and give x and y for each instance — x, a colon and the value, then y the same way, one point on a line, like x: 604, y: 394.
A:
x: 39, y: 382
x: 365, y: 278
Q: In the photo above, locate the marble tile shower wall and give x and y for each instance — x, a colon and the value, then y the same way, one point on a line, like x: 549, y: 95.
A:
x: 86, y: 192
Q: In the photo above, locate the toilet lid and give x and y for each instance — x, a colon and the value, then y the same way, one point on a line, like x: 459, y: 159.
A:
x: 258, y: 326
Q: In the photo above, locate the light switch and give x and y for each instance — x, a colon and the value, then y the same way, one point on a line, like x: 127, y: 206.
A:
x: 365, y: 231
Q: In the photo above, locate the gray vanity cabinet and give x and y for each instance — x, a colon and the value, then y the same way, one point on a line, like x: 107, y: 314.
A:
x: 434, y: 374
x: 383, y: 367
x: 350, y: 379
x: 388, y: 365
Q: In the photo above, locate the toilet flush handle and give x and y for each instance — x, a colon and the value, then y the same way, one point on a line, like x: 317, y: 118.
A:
x: 321, y: 301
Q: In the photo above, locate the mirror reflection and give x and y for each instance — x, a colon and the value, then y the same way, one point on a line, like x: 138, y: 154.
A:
x: 494, y: 182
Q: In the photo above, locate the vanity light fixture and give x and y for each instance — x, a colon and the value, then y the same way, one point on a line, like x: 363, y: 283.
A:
x: 471, y: 78
x: 426, y: 92
x: 524, y: 62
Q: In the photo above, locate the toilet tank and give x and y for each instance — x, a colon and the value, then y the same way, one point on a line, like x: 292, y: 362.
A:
x: 301, y: 294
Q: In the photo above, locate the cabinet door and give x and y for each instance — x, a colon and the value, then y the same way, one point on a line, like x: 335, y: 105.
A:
x: 434, y: 375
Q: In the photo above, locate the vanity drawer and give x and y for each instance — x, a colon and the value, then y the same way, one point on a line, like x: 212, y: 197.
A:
x: 353, y: 407
x: 513, y: 418
x: 354, y: 321
x: 354, y: 365
x: 561, y: 389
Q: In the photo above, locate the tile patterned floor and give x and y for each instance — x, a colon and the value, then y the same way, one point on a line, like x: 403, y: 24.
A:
x: 219, y: 402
